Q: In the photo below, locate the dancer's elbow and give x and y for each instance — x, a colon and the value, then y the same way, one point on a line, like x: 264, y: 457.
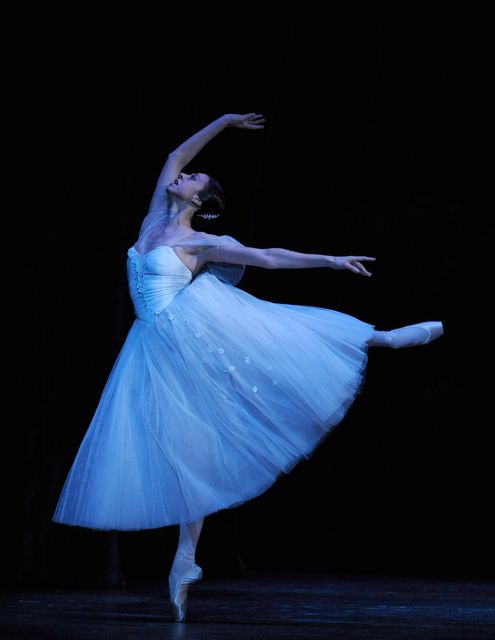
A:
x: 248, y: 256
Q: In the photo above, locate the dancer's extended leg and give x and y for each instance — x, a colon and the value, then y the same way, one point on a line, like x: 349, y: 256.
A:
x: 409, y: 336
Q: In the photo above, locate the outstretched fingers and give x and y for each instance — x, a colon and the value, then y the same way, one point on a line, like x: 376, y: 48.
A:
x: 355, y: 264
x: 253, y: 121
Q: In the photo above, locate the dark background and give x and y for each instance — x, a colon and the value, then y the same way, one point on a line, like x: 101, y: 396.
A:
x: 374, y: 144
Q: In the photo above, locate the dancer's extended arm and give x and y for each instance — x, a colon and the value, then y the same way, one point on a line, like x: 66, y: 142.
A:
x: 275, y: 258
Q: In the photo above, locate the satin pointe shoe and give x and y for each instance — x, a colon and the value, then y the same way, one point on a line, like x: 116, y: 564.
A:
x: 433, y: 330
x: 178, y: 591
x: 415, y: 334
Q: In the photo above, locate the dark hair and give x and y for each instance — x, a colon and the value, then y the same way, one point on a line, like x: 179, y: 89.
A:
x: 212, y: 204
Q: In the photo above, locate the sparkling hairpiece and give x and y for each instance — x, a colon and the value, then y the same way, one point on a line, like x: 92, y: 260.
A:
x: 208, y: 216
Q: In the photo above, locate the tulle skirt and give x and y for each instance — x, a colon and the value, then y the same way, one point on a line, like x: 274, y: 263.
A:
x: 208, y: 403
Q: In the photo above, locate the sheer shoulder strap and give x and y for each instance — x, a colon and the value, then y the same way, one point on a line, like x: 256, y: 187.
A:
x: 224, y: 271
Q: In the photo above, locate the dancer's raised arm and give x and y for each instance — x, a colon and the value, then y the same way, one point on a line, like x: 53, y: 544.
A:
x: 184, y: 153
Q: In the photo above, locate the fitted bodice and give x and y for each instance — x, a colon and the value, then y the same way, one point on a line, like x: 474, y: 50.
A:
x: 154, y: 279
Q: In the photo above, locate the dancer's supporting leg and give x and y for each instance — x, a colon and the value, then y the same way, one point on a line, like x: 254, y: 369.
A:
x: 184, y: 569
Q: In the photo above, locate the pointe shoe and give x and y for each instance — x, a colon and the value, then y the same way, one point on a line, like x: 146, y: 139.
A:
x: 408, y: 336
x: 178, y: 591
x: 433, y: 330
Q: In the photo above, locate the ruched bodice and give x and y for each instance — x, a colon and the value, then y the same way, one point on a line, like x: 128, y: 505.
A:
x: 155, y: 278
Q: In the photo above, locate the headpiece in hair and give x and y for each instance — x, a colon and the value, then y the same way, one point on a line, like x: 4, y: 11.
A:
x: 208, y: 216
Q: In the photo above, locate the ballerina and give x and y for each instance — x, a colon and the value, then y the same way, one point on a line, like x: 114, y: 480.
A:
x: 212, y: 397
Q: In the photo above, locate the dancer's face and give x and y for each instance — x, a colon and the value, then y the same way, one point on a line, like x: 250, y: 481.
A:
x: 188, y: 185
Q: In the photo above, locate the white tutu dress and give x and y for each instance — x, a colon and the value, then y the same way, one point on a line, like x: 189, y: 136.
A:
x: 214, y: 394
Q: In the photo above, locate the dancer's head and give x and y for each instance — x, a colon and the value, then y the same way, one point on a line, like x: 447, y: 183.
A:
x: 200, y: 191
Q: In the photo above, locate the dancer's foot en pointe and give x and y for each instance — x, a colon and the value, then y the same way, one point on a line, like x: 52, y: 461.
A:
x: 411, y: 335
x: 179, y: 581
x: 184, y: 570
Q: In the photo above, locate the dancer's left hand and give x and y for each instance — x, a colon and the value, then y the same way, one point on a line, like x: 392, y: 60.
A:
x: 352, y: 263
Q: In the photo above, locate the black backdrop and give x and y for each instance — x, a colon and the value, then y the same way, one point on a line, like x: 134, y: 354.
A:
x: 374, y: 131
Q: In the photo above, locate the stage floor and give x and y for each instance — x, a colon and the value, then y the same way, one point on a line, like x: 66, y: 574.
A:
x: 261, y: 605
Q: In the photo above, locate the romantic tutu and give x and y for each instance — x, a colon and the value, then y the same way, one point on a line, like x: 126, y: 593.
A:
x: 214, y: 394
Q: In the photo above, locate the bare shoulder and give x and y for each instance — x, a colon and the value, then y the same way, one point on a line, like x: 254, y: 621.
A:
x: 211, y: 237
x: 202, y: 235
x: 199, y: 240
